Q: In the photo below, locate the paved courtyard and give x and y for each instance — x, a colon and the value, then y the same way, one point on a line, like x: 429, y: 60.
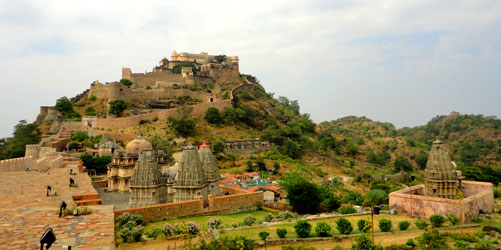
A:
x: 119, y: 199
x: 26, y: 212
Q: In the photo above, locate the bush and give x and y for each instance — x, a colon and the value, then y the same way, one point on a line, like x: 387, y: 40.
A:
x: 154, y: 233
x: 215, y: 223
x: 477, y: 220
x: 141, y: 122
x: 347, y: 210
x: 213, y: 116
x: 403, y: 225
x: 453, y: 219
x: 421, y: 224
x: 483, y: 245
x: 410, y: 242
x: 269, y: 217
x: 465, y: 237
x: 92, y: 98
x: 126, y: 82
x: 281, y: 232
x: 117, y: 107
x: 385, y: 225
x: 437, y: 220
x: 177, y: 69
x: 249, y: 220
x: 129, y: 227
x: 225, y: 242
x: 344, y: 226
x: 168, y: 230
x: 90, y: 111
x: 323, y: 229
x: 364, y: 225
x: 432, y: 240
x: 303, y: 228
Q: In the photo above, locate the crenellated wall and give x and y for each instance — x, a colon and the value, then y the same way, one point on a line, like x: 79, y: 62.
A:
x: 131, y: 121
x: 16, y: 164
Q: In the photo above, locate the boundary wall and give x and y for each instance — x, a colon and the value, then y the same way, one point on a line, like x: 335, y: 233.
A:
x: 132, y: 121
x: 21, y: 164
x: 217, y: 205
x: 479, y: 197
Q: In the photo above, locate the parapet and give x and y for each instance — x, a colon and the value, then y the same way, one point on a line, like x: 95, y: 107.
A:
x: 32, y: 150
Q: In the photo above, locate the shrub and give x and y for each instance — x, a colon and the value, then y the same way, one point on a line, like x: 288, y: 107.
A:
x: 92, y: 98
x: 193, y: 228
x: 432, y: 240
x: 263, y: 235
x: 465, y: 237
x: 344, y: 226
x: 421, y: 224
x: 141, y: 122
x: 281, y: 232
x: 177, y: 69
x: 348, y: 210
x: 126, y: 82
x: 215, y: 223
x: 269, y: 217
x: 154, y: 233
x: 168, y: 230
x: 249, y: 220
x: 453, y: 219
x: 302, y: 228
x: 477, y: 220
x: 385, y: 225
x: 362, y: 242
x: 213, y: 116
x: 480, y: 234
x: 285, y: 215
x: 364, y: 225
x: 410, y: 242
x: 403, y: 225
x: 437, y: 220
x: 462, y: 245
x: 323, y: 229
x: 90, y: 111
x: 483, y: 245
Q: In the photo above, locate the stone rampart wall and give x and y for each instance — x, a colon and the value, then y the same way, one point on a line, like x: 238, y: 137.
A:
x: 231, y: 190
x: 471, y: 188
x: 15, y: 164
x: 131, y: 121
x: 217, y: 205
x: 74, y: 126
x: 246, y: 147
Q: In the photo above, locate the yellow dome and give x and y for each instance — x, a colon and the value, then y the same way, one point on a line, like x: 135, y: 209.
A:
x: 138, y: 145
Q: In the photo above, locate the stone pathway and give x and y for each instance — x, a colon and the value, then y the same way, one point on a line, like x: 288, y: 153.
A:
x: 26, y: 212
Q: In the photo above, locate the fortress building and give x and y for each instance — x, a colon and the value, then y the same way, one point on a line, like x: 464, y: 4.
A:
x: 439, y: 194
x: 199, y: 58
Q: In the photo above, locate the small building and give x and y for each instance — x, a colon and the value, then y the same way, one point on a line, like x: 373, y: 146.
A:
x: 439, y: 194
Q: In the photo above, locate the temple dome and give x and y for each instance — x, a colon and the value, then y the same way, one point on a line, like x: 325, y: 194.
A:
x: 138, y: 145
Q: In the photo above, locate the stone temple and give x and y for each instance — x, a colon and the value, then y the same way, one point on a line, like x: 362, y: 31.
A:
x: 196, y: 175
x: 439, y: 194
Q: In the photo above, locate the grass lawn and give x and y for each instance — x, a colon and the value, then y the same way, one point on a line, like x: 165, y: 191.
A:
x: 253, y: 232
x: 228, y: 219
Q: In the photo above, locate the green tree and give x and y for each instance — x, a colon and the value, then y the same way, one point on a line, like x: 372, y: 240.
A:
x: 376, y: 197
x: 218, y: 147
x: 362, y: 242
x: 183, y: 126
x: 178, y: 68
x: 24, y: 133
x: 303, y: 228
x: 117, y: 107
x: 344, y: 226
x: 164, y: 144
x: 292, y: 149
x: 303, y: 196
x: 263, y: 235
x: 126, y: 82
x: 65, y: 106
x: 402, y: 164
x: 79, y: 136
x: 96, y: 163
x: 421, y: 159
x: 220, y: 58
x: 213, y: 116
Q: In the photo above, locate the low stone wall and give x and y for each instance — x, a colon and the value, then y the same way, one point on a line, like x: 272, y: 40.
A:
x: 21, y: 164
x: 132, y: 121
x: 231, y: 190
x: 410, y: 201
x: 217, y: 205
x: 100, y: 183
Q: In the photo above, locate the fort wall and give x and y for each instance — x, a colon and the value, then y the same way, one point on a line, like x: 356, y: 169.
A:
x: 217, y: 205
x: 131, y: 121
x: 410, y: 201
x: 246, y: 146
x: 16, y: 164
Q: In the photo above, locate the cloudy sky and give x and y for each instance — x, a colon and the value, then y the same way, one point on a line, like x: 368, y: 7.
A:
x: 397, y: 61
